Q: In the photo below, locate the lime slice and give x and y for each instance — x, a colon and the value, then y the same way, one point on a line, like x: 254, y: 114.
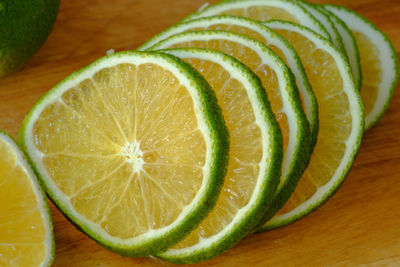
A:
x: 379, y: 62
x: 264, y: 10
x: 261, y: 33
x: 26, y: 229
x: 341, y: 121
x: 350, y: 45
x: 132, y: 149
x: 255, y: 157
x: 325, y: 20
x: 278, y: 81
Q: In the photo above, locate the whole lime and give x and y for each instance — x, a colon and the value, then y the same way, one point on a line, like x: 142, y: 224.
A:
x: 24, y: 27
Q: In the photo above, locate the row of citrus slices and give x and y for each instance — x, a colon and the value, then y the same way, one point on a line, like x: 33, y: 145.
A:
x: 246, y: 118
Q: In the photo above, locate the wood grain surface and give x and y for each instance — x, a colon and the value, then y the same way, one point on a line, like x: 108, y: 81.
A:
x: 359, y: 226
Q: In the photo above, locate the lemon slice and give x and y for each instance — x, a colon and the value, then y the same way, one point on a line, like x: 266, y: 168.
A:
x: 379, y: 63
x: 26, y: 229
x: 255, y: 157
x: 132, y: 149
x: 278, y: 81
x: 264, y: 10
x: 261, y: 33
x: 349, y: 43
x: 341, y: 121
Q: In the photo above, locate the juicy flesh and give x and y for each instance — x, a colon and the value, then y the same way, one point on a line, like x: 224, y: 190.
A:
x: 245, y: 150
x: 261, y: 13
x: 22, y: 228
x: 124, y: 148
x: 251, y: 59
x: 335, y: 122
x: 371, y: 71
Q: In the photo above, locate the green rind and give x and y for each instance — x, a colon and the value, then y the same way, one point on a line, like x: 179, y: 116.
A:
x: 357, y: 105
x: 220, y: 148
x: 303, y: 152
x: 262, y: 29
x: 368, y: 23
x: 246, y: 225
x: 24, y: 27
x: 42, y: 194
x: 343, y: 25
x: 321, y: 29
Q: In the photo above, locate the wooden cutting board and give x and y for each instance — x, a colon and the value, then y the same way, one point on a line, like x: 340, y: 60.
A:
x: 359, y: 225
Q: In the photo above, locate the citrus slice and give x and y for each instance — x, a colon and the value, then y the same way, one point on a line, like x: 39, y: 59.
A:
x: 255, y: 157
x: 279, y: 84
x: 132, y: 149
x: 261, y: 33
x: 26, y: 229
x: 350, y: 45
x: 341, y: 121
x: 264, y: 10
x: 379, y: 62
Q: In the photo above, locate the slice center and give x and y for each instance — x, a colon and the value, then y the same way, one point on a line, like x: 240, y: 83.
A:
x: 133, y: 155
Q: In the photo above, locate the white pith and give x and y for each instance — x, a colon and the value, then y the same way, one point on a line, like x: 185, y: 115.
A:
x: 356, y: 116
x: 43, y: 206
x: 96, y: 230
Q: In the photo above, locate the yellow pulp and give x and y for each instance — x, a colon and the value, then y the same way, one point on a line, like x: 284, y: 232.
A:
x: 371, y: 71
x: 245, y: 150
x: 22, y: 226
x: 124, y: 147
x: 262, y: 13
x: 251, y: 59
x: 335, y: 122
